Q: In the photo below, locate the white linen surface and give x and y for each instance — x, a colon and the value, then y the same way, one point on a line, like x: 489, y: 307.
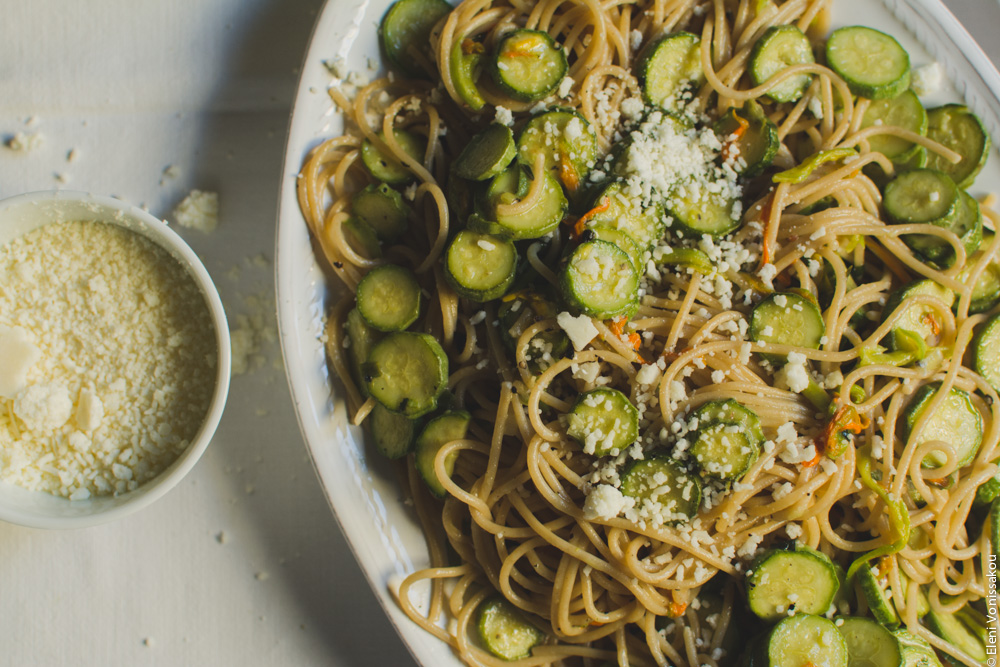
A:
x: 243, y: 563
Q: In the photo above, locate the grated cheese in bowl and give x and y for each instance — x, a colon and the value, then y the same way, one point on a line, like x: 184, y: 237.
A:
x: 114, y: 359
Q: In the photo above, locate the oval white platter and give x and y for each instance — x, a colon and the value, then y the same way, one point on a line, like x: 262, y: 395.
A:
x: 361, y: 489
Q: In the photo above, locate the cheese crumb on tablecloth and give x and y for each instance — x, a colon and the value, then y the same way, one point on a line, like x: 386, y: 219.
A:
x: 199, y: 210
x: 24, y: 142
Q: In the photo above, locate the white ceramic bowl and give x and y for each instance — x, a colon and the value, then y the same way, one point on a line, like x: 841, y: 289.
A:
x: 23, y: 213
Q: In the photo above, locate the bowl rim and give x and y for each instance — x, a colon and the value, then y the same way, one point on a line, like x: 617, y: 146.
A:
x: 159, y: 232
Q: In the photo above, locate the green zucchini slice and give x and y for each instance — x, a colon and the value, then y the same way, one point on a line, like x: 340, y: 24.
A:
x: 599, y: 279
x: 697, y: 213
x: 804, y: 639
x: 620, y: 239
x: 961, y: 629
x: 393, y: 433
x: 668, y: 67
x: 917, y: 652
x: 927, y: 196
x: 487, y: 154
x: 917, y: 320
x: 438, y: 432
x: 480, y: 267
x: 922, y: 196
x: 565, y: 140
x: 504, y: 630
x: 787, y: 318
x: 362, y: 339
x: 904, y: 111
x: 386, y: 168
x: 690, y: 258
x: 872, y: 63
x: 539, y: 219
x: 728, y: 439
x: 405, y: 33
x: 406, y: 372
x: 986, y: 351
x: 986, y: 292
x: 528, y: 64
x: 875, y: 592
x: 382, y: 209
x: 750, y: 136
x: 389, y: 298
x: 956, y: 422
x: 869, y: 644
x: 466, y: 65
x: 802, y: 580
x: 994, y: 525
x: 603, y: 421
x: 960, y: 130
x: 614, y: 207
x: 659, y: 483
x: 781, y: 47
x: 362, y: 238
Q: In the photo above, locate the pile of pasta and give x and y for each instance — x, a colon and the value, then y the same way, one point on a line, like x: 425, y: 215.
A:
x: 615, y: 590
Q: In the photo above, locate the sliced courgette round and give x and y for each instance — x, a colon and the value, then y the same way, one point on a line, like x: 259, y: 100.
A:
x: 921, y: 196
x: 916, y: 320
x: 405, y: 32
x: 697, y: 212
x: 869, y: 644
x: 603, y: 421
x: 539, y: 219
x: 986, y: 292
x: 362, y: 238
x: 504, y: 630
x: 389, y: 298
x: 904, y: 111
x: 781, y: 47
x: 917, y: 652
x: 393, y: 433
x: 620, y: 239
x: 387, y: 168
x: 438, y: 432
x: 787, y: 318
x: 956, y: 423
x: 614, y: 207
x: 728, y: 439
x: 872, y: 63
x: 663, y: 487
x: 875, y: 590
x: 801, y: 579
x: 528, y: 64
x: 749, y: 135
x: 480, y: 267
x: 986, y: 351
x: 668, y: 67
x: 362, y: 339
x: 960, y: 130
x: 487, y: 154
x: 406, y: 372
x: 565, y: 140
x: 927, y: 196
x: 383, y: 209
x: 958, y: 629
x: 691, y: 258
x: 599, y: 279
x: 466, y: 64
x: 804, y: 639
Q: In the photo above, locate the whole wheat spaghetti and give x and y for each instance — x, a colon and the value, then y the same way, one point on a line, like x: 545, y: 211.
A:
x: 518, y: 519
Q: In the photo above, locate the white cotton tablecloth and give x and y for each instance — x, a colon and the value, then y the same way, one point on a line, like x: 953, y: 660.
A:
x: 243, y: 563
